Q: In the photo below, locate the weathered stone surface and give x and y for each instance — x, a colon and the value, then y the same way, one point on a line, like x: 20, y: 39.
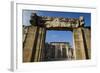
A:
x: 87, y: 41
x: 28, y: 44
x: 34, y: 38
x: 40, y: 45
x: 79, y: 44
x: 82, y: 40
x: 49, y: 22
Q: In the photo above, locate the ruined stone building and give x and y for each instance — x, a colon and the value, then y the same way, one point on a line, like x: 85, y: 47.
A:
x: 58, y: 51
x: 34, y: 46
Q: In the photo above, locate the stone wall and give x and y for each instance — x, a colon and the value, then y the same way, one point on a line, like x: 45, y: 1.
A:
x: 34, y: 44
x: 29, y: 43
x: 82, y: 37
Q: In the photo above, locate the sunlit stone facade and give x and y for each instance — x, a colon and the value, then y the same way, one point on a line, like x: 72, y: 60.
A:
x: 35, y: 49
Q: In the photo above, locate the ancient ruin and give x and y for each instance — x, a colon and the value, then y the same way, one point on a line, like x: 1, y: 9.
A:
x: 34, y: 45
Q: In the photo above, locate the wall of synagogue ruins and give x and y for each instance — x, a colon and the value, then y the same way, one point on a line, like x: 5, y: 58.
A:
x: 33, y: 44
x: 87, y: 41
x: 82, y: 37
x: 29, y: 43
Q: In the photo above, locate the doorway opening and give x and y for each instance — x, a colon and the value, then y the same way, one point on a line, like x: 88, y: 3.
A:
x: 58, y: 45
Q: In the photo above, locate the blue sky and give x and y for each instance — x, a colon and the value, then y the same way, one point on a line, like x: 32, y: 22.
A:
x: 57, y: 36
x: 27, y: 13
x: 87, y: 16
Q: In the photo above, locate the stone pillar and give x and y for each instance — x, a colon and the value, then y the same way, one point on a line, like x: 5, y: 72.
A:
x: 87, y: 41
x: 64, y: 52
x: 42, y: 48
x: 67, y: 53
x: 29, y: 43
x: 40, y: 45
x: 79, y: 44
x: 61, y: 50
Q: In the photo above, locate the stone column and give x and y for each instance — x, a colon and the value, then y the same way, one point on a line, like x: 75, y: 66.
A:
x: 79, y: 44
x: 87, y: 41
x: 67, y: 53
x: 40, y: 45
x: 61, y: 50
